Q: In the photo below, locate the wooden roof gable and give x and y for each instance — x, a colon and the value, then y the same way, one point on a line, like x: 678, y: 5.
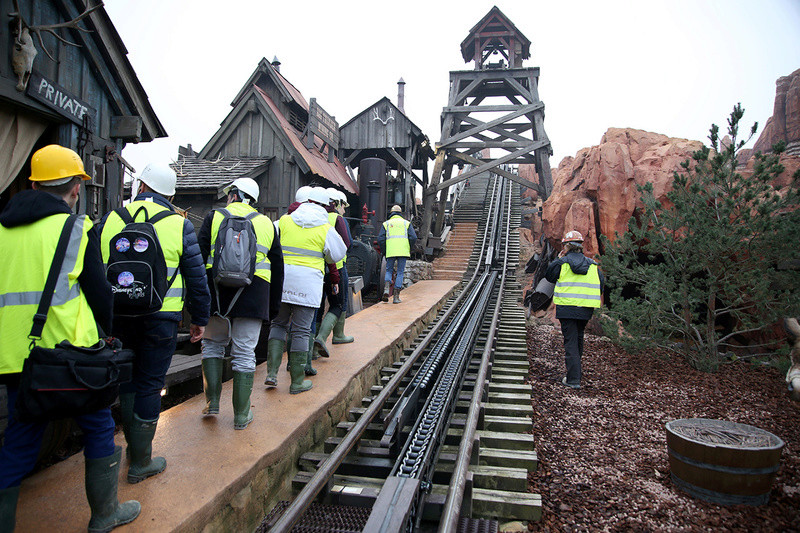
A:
x: 288, y: 92
x: 104, y: 49
x: 369, y: 112
x: 494, y: 26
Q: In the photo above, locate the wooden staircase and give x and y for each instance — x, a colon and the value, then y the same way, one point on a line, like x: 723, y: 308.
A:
x: 454, y: 261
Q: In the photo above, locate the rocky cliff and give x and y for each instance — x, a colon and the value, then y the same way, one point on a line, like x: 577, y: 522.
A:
x: 595, y: 191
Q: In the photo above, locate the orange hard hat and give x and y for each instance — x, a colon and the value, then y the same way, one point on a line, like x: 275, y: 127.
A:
x: 572, y: 236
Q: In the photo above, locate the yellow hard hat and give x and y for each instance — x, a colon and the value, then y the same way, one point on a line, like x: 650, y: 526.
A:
x: 54, y: 162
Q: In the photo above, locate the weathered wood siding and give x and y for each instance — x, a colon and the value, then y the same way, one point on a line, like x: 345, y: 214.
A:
x: 388, y: 129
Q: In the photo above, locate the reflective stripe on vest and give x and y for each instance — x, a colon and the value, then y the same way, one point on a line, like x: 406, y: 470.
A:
x: 332, y: 221
x: 170, y: 235
x: 581, y: 290
x: 29, y: 251
x: 397, y: 237
x: 303, y: 246
x: 265, y: 233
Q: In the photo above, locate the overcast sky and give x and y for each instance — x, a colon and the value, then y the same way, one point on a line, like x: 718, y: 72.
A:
x: 666, y: 66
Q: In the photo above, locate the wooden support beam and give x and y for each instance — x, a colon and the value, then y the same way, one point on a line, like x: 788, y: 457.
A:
x: 403, y: 163
x: 489, y: 165
x: 518, y: 111
x: 350, y: 157
x: 497, y: 170
x: 485, y: 108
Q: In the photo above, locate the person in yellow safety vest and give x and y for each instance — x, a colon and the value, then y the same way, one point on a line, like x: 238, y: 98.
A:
x: 30, y: 227
x: 335, y: 290
x: 578, y: 292
x: 308, y: 241
x: 153, y: 337
x: 396, y: 238
x: 237, y: 315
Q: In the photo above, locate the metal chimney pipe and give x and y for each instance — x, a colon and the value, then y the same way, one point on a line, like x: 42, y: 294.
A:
x: 276, y: 64
x: 401, y: 95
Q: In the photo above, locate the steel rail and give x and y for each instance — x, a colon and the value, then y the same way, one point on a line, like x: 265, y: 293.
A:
x: 458, y: 481
x: 328, y: 467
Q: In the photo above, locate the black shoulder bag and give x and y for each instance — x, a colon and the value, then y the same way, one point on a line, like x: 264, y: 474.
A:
x: 68, y: 381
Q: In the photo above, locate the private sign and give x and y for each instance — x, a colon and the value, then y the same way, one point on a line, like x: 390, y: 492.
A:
x: 56, y: 97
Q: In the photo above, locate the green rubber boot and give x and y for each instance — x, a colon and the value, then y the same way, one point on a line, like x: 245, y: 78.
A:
x: 298, y: 362
x: 8, y: 508
x: 242, y: 387
x: 338, y: 331
x: 322, y: 334
x: 212, y: 384
x: 126, y: 417
x: 309, y: 369
x: 101, y: 491
x: 314, y: 354
x: 275, y: 348
x: 142, y: 464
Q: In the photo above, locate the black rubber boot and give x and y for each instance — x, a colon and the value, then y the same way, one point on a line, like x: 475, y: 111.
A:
x: 8, y: 508
x: 275, y: 348
x: 212, y: 384
x: 298, y: 362
x: 101, y: 491
x: 242, y: 387
x: 143, y: 465
x: 322, y: 335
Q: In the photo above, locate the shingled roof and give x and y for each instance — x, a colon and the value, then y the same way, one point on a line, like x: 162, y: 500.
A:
x: 201, y: 174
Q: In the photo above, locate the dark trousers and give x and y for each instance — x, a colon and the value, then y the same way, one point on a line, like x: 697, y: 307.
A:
x: 23, y: 441
x: 153, y: 340
x: 572, y: 330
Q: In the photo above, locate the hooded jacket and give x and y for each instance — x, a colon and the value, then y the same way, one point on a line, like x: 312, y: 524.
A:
x: 303, y: 285
x: 579, y: 264
x: 29, y: 206
x: 193, y: 269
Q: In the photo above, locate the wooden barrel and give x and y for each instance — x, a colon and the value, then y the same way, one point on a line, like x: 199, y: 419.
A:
x: 723, y: 462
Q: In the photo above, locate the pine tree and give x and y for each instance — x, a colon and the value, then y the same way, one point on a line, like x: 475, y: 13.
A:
x: 716, y: 261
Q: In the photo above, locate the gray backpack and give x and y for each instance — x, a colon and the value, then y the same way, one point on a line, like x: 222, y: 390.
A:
x: 234, y: 262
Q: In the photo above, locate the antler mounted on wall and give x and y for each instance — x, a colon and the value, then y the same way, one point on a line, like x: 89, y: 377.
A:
x: 24, y: 51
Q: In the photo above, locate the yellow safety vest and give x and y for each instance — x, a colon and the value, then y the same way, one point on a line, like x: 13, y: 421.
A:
x: 170, y: 235
x: 582, y: 290
x: 265, y: 233
x: 332, y: 220
x: 303, y: 246
x: 25, y: 262
x: 397, y: 237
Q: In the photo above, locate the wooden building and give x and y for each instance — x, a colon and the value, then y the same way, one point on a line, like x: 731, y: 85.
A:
x: 385, y: 132
x: 272, y: 135
x: 84, y: 97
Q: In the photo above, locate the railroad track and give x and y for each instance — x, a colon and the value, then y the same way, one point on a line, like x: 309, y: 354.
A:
x: 444, y: 441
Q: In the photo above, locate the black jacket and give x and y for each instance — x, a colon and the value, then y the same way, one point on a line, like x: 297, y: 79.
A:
x: 29, y: 206
x: 579, y: 264
x: 259, y: 299
x: 192, y: 266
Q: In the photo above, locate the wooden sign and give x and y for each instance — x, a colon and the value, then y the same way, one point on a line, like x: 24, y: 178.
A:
x: 59, y: 99
x: 323, y: 125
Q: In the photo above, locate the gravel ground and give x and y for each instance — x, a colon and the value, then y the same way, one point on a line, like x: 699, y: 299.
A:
x: 603, y: 463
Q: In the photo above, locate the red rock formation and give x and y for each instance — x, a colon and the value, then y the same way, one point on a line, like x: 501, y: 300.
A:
x: 595, y: 192
x: 784, y: 124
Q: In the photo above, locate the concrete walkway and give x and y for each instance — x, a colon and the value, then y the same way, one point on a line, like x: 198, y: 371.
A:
x: 218, y: 479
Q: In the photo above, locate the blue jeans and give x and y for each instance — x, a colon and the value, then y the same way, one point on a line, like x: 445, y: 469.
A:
x: 153, y: 340
x: 401, y: 266
x: 23, y: 441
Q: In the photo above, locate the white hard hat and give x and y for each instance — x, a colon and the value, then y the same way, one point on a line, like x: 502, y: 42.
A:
x: 334, y: 194
x: 343, y: 198
x: 319, y: 195
x: 246, y: 185
x: 396, y: 209
x: 160, y: 178
x: 302, y: 194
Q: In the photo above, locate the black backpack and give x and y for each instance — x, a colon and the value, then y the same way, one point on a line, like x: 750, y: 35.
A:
x: 234, y: 263
x: 136, y: 267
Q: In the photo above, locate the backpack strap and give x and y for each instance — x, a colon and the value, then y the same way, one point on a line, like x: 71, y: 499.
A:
x: 124, y: 214
x: 40, y: 317
x: 161, y: 215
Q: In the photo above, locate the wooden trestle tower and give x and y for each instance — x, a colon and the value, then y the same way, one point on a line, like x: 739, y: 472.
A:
x: 515, y: 125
